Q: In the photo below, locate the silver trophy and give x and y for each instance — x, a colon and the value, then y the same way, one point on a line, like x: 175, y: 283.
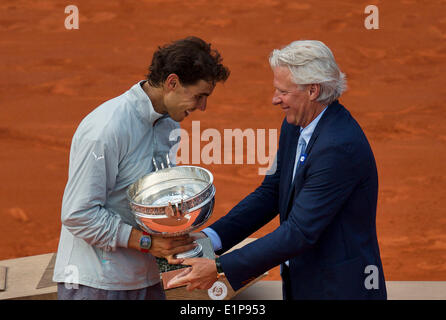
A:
x: 173, y: 201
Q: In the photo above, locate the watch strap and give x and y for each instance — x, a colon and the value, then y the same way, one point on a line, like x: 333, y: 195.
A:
x: 218, y: 265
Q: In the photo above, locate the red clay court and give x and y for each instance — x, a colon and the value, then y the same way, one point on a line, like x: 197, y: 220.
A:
x: 52, y: 77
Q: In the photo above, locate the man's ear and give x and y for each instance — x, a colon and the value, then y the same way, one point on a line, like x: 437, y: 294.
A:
x: 172, y: 82
x: 314, y: 91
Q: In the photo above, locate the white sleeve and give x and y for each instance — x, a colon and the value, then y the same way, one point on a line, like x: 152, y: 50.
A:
x: 92, y: 175
x: 215, y: 238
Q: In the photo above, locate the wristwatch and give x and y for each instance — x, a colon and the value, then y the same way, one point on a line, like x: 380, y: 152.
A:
x: 218, y: 264
x: 145, y: 242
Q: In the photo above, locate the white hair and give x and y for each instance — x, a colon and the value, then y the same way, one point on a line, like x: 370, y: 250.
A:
x: 311, y: 61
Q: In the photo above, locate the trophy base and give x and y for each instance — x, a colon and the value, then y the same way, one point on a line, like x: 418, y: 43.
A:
x: 194, y: 253
x: 168, y: 271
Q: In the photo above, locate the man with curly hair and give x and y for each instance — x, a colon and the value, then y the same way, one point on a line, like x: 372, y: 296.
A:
x: 102, y: 250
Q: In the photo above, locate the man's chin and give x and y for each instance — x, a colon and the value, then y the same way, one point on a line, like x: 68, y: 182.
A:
x: 291, y: 120
x: 178, y: 118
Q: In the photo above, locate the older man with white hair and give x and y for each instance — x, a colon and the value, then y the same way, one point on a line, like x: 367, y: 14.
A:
x: 325, y: 189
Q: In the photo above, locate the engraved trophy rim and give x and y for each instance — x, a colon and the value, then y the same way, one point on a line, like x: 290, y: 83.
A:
x: 178, y: 216
x: 160, y: 209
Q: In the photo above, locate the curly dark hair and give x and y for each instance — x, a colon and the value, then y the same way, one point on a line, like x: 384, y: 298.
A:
x: 191, y: 59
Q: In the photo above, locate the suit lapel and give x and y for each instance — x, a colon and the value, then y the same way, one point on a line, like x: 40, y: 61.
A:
x: 288, y: 172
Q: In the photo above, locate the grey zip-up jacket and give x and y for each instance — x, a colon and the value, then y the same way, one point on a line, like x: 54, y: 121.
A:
x: 112, y: 148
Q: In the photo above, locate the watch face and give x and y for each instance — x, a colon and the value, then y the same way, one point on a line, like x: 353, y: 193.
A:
x: 145, y: 242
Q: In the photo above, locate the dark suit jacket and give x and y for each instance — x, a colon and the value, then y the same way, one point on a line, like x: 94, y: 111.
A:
x: 327, y: 217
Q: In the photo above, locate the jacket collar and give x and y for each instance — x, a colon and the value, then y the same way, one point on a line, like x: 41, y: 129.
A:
x: 144, y: 106
x: 331, y: 109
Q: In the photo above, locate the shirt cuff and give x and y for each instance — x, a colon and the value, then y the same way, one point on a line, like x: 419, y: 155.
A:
x: 215, y: 239
x: 123, y: 235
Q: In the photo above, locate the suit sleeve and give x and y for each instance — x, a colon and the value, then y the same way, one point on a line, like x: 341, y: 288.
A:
x: 328, y: 184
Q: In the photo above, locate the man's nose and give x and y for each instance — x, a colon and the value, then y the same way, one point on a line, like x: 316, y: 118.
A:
x: 276, y: 100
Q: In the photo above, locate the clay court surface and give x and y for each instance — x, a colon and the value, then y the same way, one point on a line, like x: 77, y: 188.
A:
x: 51, y: 77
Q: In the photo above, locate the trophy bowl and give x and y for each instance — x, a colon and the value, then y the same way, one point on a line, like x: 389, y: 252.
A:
x: 173, y: 202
